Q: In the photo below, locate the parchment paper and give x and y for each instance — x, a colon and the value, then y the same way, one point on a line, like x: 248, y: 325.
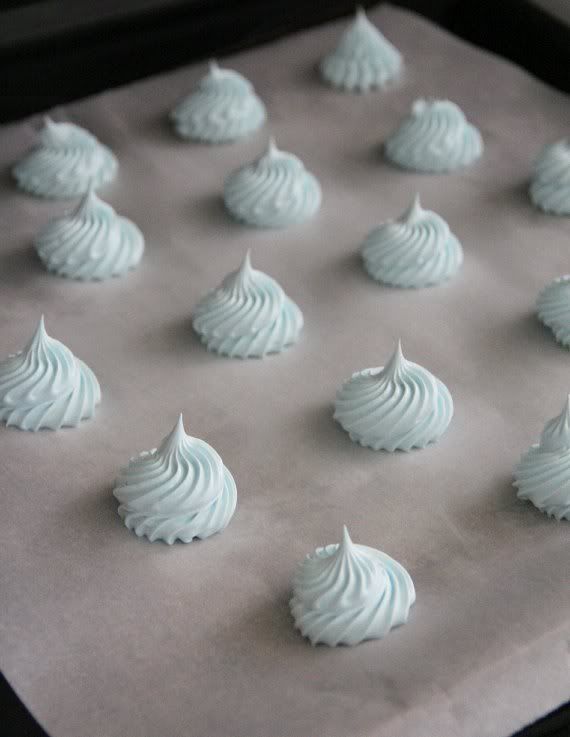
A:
x: 106, y: 635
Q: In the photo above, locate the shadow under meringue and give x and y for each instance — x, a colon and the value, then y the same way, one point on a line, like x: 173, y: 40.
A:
x: 21, y: 265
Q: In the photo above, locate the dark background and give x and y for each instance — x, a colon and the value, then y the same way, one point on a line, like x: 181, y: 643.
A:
x: 54, y: 51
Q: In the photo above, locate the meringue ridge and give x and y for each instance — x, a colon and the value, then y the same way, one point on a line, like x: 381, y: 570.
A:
x: 45, y: 386
x: 416, y: 250
x: 67, y: 161
x: 344, y: 594
x: 248, y: 315
x: 178, y: 491
x: 91, y: 243
x: 274, y: 191
x: 542, y: 476
x: 399, y: 406
x: 363, y: 59
x: 550, y: 184
x: 435, y: 138
x: 553, y: 308
x: 223, y: 108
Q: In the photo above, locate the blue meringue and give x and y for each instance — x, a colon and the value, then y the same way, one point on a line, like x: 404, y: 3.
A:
x: 272, y: 192
x: 248, y: 315
x: 178, y: 491
x: 67, y: 162
x: 222, y: 109
x: 91, y: 243
x: 550, y: 185
x: 417, y: 250
x: 542, y: 476
x: 553, y: 309
x: 46, y: 386
x: 434, y: 138
x: 363, y: 59
x: 396, y: 407
x: 345, y: 594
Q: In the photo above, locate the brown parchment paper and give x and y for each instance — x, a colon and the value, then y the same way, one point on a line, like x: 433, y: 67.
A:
x: 106, y: 635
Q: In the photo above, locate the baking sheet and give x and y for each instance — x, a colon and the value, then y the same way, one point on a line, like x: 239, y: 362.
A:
x: 106, y: 635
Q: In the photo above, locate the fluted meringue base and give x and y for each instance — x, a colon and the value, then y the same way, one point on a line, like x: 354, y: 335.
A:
x: 185, y: 527
x: 68, y: 161
x: 435, y: 138
x: 550, y: 185
x: 544, y: 479
x: 553, y: 309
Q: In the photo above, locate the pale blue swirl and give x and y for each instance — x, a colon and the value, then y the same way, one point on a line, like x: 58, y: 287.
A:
x: 553, y: 309
x: 345, y: 594
x: 434, y: 138
x: 45, y: 386
x: 363, y: 59
x: 179, y: 491
x: 542, y: 476
x: 417, y: 250
x: 273, y: 192
x: 398, y: 407
x: 91, y: 243
x: 67, y: 162
x: 222, y: 109
x: 248, y: 315
x: 550, y: 185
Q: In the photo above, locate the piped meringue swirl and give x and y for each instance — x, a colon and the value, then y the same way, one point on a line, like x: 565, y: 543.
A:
x: 550, y: 185
x: 553, y: 308
x: 91, y: 243
x: 396, y: 407
x: 46, y: 386
x: 417, y: 250
x: 223, y: 108
x: 178, y: 491
x: 363, y: 59
x: 434, y: 138
x: 272, y: 192
x: 66, y: 163
x: 248, y: 315
x: 344, y: 594
x: 542, y: 476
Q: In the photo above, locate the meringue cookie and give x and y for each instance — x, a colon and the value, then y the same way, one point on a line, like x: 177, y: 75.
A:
x: 553, y: 308
x: 178, y: 491
x: 272, y: 192
x: 417, y: 250
x: 66, y: 163
x: 222, y: 109
x: 435, y: 138
x: 248, y: 315
x: 363, y: 59
x: 543, y: 473
x: 345, y: 594
x: 91, y: 243
x: 550, y: 186
x: 396, y: 407
x: 46, y: 386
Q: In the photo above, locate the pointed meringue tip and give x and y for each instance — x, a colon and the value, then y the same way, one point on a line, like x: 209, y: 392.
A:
x: 48, y: 122
x: 396, y: 360
x: 566, y: 408
x: 40, y: 331
x: 360, y: 12
x: 346, y: 540
x: 246, y: 263
x: 272, y: 146
x: 414, y: 210
x: 179, y: 427
x: 213, y: 66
